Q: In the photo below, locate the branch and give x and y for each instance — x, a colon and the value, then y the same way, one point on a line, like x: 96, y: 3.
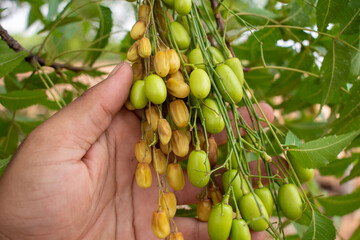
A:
x: 31, y: 58
x: 220, y: 23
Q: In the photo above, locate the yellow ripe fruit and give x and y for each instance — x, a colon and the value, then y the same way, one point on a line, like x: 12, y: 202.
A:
x: 149, y: 135
x: 213, y: 150
x: 161, y: 64
x: 143, y: 175
x: 138, y: 29
x: 138, y: 71
x: 175, y: 176
x: 179, y: 113
x: 203, y: 210
x: 159, y: 161
x: 215, y: 195
x: 144, y: 11
x: 142, y: 152
x: 152, y: 117
x: 129, y: 106
x: 174, y: 60
x: 179, y: 143
x: 188, y: 135
x: 176, y: 236
x: 144, y: 47
x: 177, y: 75
x: 165, y: 148
x: 133, y: 54
x: 177, y: 88
x: 164, y: 131
x: 160, y: 225
x: 168, y: 203
x: 201, y: 137
x: 186, y: 60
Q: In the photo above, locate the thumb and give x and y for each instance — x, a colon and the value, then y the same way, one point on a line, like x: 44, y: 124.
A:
x: 82, y: 122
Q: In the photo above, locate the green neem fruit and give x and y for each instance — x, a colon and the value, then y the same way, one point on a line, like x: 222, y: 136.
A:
x: 155, y: 89
x: 304, y: 174
x: 137, y: 94
x: 183, y: 21
x: 217, y: 56
x: 220, y: 219
x: 196, y: 58
x: 200, y: 84
x: 198, y: 168
x: 180, y: 34
x: 235, y: 65
x: 169, y: 3
x: 265, y: 195
x: 214, y: 122
x: 251, y: 212
x: 240, y: 230
x: 238, y: 184
x: 182, y: 7
x: 290, y: 201
x: 228, y: 84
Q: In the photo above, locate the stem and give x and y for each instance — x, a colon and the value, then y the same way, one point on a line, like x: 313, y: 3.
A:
x: 284, y: 68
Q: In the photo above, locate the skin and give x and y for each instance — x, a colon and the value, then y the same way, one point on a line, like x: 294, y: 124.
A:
x: 73, y: 176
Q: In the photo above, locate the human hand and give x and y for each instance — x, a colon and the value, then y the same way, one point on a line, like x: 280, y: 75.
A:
x: 73, y: 177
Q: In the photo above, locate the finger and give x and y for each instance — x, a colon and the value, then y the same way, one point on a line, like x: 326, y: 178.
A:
x: 192, y: 228
x: 80, y: 123
x: 221, y: 138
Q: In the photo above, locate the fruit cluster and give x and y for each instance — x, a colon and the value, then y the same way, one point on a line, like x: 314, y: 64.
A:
x: 185, y: 88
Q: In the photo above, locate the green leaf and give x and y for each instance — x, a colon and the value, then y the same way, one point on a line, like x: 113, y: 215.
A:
x: 12, y: 83
x: 257, y: 16
x: 310, y: 90
x: 305, y: 219
x: 355, y: 64
x: 34, y: 15
x: 292, y: 139
x: 326, y: 11
x: 307, y: 130
x: 11, y: 141
x: 289, y: 80
x: 21, y: 99
x: 342, y: 204
x: 356, y: 234
x: 64, y: 21
x: 301, y: 14
x: 3, y: 163
x: 9, y: 60
x: 355, y: 172
x: 349, y: 119
x: 337, y: 167
x: 27, y: 125
x: 293, y: 104
x: 190, y: 211
x: 349, y: 18
x: 320, y: 152
x: 103, y: 33
x: 53, y: 9
x: 334, y: 70
x: 320, y: 229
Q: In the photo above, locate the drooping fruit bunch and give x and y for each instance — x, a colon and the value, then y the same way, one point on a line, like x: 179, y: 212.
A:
x: 188, y: 91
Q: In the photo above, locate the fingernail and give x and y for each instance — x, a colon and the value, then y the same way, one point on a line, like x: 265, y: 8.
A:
x: 115, y: 69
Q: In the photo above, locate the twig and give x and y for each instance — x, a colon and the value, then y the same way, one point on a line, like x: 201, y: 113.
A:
x: 32, y: 58
x: 220, y: 23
